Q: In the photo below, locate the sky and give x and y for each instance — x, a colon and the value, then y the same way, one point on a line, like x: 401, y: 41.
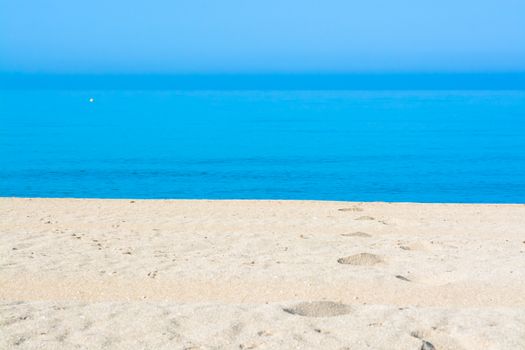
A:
x: 261, y: 36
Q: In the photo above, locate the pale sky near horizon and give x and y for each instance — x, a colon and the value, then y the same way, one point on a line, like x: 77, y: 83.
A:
x: 202, y: 36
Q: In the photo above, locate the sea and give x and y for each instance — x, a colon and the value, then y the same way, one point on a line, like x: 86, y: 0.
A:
x: 457, y: 146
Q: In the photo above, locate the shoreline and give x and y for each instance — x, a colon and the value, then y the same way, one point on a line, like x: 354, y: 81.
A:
x: 253, y: 200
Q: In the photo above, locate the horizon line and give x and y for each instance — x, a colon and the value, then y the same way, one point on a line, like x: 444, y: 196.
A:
x: 267, y: 81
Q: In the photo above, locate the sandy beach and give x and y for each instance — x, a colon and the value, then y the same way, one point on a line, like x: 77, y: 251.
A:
x: 184, y: 274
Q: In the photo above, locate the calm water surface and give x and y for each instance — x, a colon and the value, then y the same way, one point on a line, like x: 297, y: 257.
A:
x: 422, y: 146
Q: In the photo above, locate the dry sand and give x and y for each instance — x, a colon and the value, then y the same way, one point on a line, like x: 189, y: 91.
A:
x: 133, y: 274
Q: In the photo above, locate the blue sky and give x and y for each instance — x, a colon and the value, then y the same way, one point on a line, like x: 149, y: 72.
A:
x: 234, y: 36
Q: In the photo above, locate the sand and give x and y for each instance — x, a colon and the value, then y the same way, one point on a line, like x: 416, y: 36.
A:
x: 135, y: 274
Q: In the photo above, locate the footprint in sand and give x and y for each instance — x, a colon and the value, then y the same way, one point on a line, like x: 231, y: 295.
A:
x: 413, y: 246
x: 356, y: 234
x: 426, y: 345
x: 361, y: 259
x: 354, y: 208
x: 319, y: 309
x: 402, y: 278
x: 365, y: 217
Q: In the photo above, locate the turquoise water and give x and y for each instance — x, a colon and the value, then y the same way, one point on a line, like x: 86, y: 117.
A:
x: 421, y: 146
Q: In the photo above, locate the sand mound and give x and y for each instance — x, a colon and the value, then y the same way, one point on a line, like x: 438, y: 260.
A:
x: 319, y: 309
x: 363, y: 259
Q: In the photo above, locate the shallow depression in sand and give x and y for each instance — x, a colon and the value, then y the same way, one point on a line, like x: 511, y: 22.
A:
x: 319, y: 309
x: 362, y: 259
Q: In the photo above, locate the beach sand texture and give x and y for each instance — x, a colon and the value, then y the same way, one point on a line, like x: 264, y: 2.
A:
x: 185, y: 274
